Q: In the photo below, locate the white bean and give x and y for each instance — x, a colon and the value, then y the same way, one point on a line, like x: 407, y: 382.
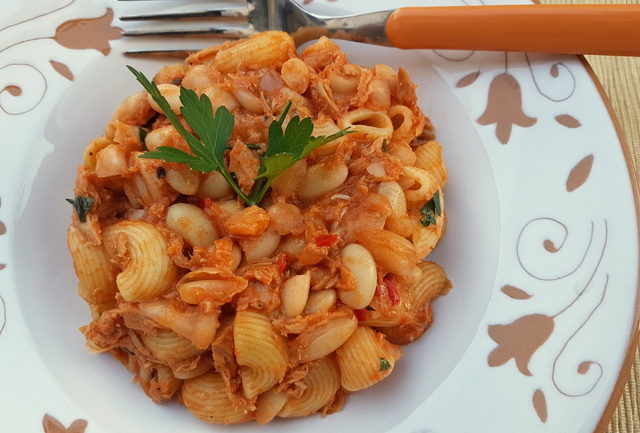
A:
x: 360, y: 263
x: 183, y: 180
x: 171, y: 92
x: 261, y: 247
x: 295, y: 293
x: 319, y: 301
x: 213, y: 185
x: 322, y: 178
x: 393, y: 191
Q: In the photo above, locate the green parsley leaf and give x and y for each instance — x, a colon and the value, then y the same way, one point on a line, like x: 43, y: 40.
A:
x: 384, y: 364
x: 142, y: 133
x: 82, y: 205
x: 430, y: 210
x: 213, y: 132
x: 385, y: 145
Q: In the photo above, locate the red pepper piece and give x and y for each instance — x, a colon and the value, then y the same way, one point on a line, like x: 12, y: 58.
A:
x: 204, y: 203
x: 282, y: 263
x: 326, y: 240
x: 393, y: 294
x: 361, y: 315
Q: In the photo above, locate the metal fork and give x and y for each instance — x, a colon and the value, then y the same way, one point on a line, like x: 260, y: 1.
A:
x: 567, y: 29
x: 257, y: 16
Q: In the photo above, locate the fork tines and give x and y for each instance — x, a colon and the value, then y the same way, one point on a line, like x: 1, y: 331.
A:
x: 183, y: 21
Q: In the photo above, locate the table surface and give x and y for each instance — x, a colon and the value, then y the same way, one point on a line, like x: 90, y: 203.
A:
x: 620, y: 77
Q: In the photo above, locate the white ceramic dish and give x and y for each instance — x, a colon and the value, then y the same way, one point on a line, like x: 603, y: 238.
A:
x: 542, y: 242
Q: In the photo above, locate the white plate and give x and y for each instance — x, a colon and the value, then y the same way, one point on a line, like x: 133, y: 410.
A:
x: 542, y: 242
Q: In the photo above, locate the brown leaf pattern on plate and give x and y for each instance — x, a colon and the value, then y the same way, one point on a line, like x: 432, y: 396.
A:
x: 87, y: 33
x: 13, y: 90
x: 519, y: 340
x: 584, y: 366
x: 579, y: 173
x: 540, y: 404
x: 568, y: 121
x: 515, y: 293
x: 504, y: 107
x: 52, y: 425
x: 468, y: 79
x: 549, y: 246
x: 62, y: 69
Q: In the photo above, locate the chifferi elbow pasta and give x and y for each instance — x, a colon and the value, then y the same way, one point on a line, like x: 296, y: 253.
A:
x: 280, y: 308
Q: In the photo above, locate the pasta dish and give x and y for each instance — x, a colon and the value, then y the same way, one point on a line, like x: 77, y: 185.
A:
x: 249, y: 231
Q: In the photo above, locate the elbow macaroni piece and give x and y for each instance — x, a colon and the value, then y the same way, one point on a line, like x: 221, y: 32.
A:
x: 373, y: 124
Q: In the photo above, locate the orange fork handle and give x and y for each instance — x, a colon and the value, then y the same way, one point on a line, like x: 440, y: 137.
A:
x: 567, y: 29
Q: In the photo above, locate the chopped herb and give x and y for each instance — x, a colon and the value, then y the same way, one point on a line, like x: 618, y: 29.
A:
x: 253, y: 146
x: 385, y: 145
x: 161, y: 173
x: 211, y: 134
x: 142, y: 133
x: 82, y: 205
x: 430, y: 210
x: 384, y: 364
x: 369, y: 308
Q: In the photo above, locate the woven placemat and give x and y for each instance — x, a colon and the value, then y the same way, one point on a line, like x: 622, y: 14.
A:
x: 620, y: 77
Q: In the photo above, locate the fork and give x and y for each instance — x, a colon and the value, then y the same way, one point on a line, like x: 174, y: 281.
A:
x: 562, y: 29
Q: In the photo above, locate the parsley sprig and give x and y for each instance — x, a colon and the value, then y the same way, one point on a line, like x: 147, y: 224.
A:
x: 211, y: 133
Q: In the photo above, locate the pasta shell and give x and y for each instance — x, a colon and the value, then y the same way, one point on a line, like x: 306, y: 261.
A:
x: 168, y: 346
x: 260, y: 351
x: 365, y: 359
x: 96, y: 273
x: 322, y: 382
x: 206, y: 397
x: 141, y: 250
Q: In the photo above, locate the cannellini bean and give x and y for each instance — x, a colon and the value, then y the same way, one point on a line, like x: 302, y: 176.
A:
x: 362, y: 267
x: 321, y: 341
x: 260, y: 247
x: 220, y: 97
x: 283, y: 217
x: 110, y: 161
x: 393, y: 191
x: 191, y: 223
x: 320, y: 301
x: 197, y: 77
x: 322, y: 178
x: 171, y: 92
x: 293, y: 245
x: 249, y: 100
x: 295, y: 293
x: 183, y: 180
x: 213, y: 185
x: 231, y: 207
x: 295, y: 74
